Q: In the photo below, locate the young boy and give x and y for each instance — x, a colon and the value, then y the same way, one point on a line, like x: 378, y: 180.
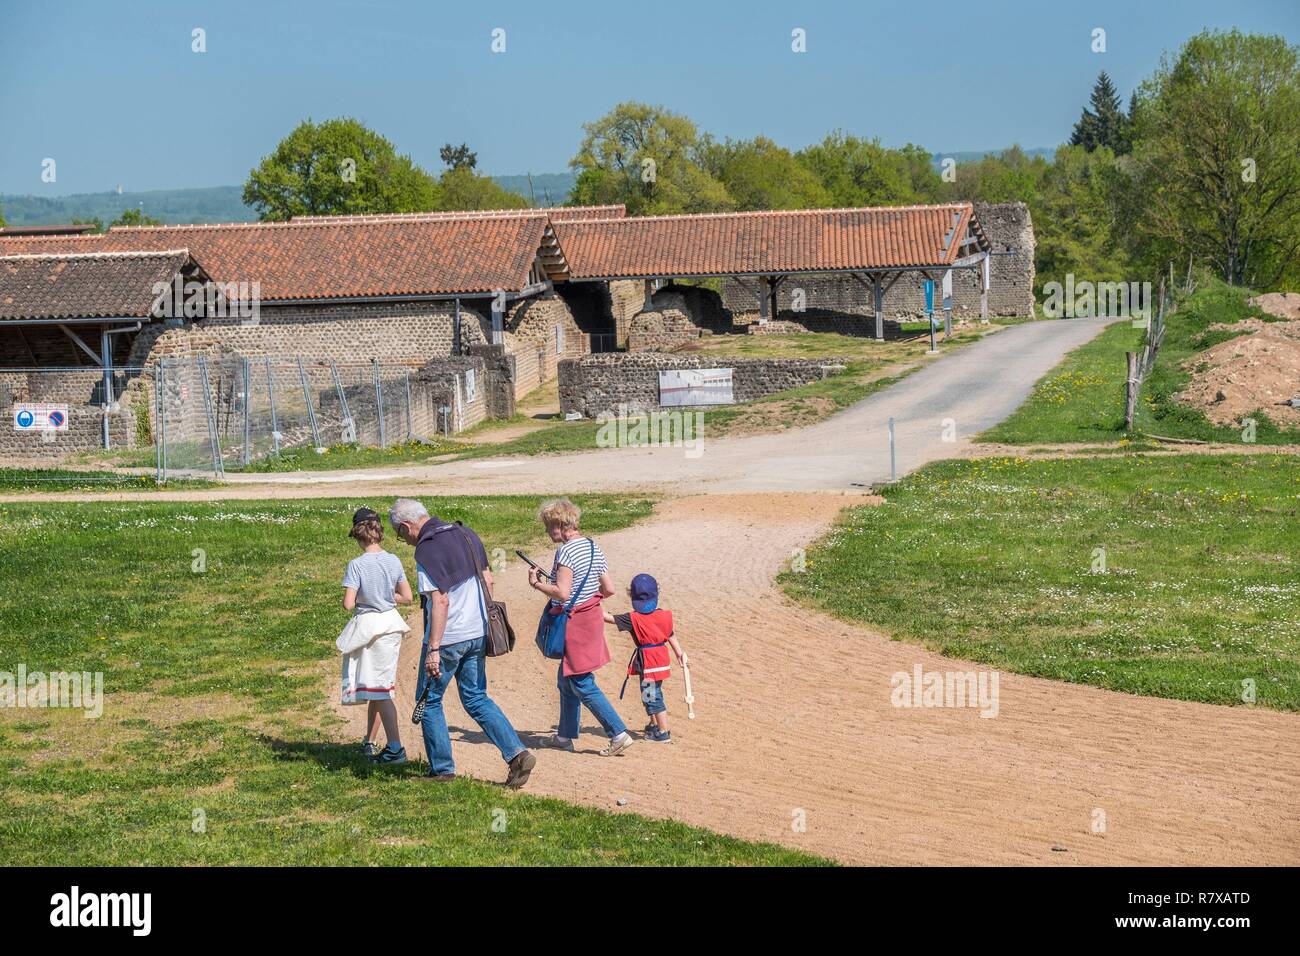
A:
x: 652, y: 630
x: 374, y: 584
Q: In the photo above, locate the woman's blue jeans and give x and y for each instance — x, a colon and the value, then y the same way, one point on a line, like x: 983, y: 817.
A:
x: 581, y: 689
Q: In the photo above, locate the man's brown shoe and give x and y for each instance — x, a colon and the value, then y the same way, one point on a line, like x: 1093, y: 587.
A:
x: 520, y: 767
x: 438, y: 777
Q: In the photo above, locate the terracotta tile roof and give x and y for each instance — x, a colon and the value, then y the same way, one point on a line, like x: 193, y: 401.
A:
x: 479, y: 253
x: 554, y: 213
x: 68, y: 229
x: 328, y: 259
x: 814, y: 240
x: 86, y: 285
x: 572, y: 213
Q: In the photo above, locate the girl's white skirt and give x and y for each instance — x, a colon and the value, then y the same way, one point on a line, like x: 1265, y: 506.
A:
x: 370, y: 669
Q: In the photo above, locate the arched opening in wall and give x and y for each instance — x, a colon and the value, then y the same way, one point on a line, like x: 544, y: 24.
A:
x: 592, y: 311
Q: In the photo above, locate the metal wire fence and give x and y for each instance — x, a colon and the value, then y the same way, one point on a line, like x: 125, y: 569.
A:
x: 230, y: 412
x: 206, y: 414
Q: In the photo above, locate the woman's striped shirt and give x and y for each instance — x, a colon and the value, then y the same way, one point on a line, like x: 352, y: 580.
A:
x: 577, y: 556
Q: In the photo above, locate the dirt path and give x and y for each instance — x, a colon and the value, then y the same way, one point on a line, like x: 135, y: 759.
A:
x: 794, y: 717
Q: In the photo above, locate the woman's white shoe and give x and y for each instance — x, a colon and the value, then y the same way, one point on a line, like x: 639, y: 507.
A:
x: 559, y: 743
x: 618, y: 744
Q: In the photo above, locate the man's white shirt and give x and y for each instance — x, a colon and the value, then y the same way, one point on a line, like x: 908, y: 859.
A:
x: 466, y: 615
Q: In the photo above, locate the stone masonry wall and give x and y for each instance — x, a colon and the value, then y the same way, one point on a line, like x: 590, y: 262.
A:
x: 547, y: 322
x: 679, y: 314
x: 396, y: 334
x: 627, y: 298
x: 84, y: 433
x: 460, y: 382
x: 609, y: 382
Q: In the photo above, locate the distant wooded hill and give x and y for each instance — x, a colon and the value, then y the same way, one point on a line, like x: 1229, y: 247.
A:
x: 212, y: 204
x: 223, y: 203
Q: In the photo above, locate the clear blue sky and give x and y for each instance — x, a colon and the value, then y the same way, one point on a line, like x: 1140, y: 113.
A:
x: 114, y: 94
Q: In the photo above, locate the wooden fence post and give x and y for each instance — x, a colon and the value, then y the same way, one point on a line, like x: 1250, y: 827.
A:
x: 1131, y: 390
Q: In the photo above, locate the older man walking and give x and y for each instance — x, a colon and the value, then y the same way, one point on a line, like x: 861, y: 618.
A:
x: 448, y: 558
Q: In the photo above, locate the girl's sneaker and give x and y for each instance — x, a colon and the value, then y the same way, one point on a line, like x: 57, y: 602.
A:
x: 560, y: 743
x: 618, y: 744
x: 389, y: 755
x: 368, y: 749
x: 651, y: 729
x: 661, y: 736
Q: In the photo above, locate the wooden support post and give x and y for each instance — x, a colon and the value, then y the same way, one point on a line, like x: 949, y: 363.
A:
x: 878, y: 303
x: 772, y: 283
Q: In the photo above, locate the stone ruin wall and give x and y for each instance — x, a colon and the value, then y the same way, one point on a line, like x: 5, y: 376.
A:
x: 540, y: 332
x: 614, y: 381
x: 677, y: 316
x: 396, y: 334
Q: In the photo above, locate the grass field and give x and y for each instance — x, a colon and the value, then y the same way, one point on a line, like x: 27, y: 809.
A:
x: 213, y: 624
x: 994, y: 560
x: 59, y: 479
x: 1082, y: 399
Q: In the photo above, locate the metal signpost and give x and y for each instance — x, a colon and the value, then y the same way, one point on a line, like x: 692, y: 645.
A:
x: 929, y: 314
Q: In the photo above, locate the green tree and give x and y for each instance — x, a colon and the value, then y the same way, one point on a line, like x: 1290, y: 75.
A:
x: 461, y: 188
x: 1217, y: 150
x: 1105, y: 124
x: 861, y: 172
x: 134, y: 217
x: 458, y: 157
x: 1074, y: 214
x: 759, y: 174
x: 918, y: 165
x: 647, y: 158
x: 1010, y: 176
x: 337, y: 167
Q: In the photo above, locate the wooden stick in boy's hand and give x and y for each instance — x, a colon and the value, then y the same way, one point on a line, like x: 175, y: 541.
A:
x: 690, y: 696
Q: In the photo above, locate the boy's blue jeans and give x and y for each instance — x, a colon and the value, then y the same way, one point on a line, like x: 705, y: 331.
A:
x: 465, y: 662
x: 581, y: 689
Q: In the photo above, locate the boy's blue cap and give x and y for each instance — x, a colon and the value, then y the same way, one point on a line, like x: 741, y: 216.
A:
x: 645, y: 594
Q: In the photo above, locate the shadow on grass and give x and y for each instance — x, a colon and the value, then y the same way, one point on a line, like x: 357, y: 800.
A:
x: 342, y: 758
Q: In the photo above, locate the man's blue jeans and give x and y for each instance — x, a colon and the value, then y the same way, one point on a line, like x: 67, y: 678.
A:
x: 465, y: 662
x: 581, y: 689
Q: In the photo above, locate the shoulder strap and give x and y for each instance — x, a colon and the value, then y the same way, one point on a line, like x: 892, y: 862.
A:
x: 591, y: 560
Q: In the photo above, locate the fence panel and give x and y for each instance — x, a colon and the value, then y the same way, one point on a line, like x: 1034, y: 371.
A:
x: 232, y: 412
x: 210, y: 414
x: 54, y: 417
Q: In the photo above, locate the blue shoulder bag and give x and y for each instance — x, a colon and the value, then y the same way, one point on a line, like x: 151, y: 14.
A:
x: 555, y: 617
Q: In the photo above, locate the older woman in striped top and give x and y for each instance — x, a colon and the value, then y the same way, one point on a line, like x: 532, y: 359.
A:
x: 579, y: 567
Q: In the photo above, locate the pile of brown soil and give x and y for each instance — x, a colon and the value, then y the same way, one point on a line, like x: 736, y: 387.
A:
x: 1256, y: 370
x: 1285, y: 305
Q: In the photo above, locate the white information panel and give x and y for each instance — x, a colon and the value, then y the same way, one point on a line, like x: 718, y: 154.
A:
x: 695, y: 386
